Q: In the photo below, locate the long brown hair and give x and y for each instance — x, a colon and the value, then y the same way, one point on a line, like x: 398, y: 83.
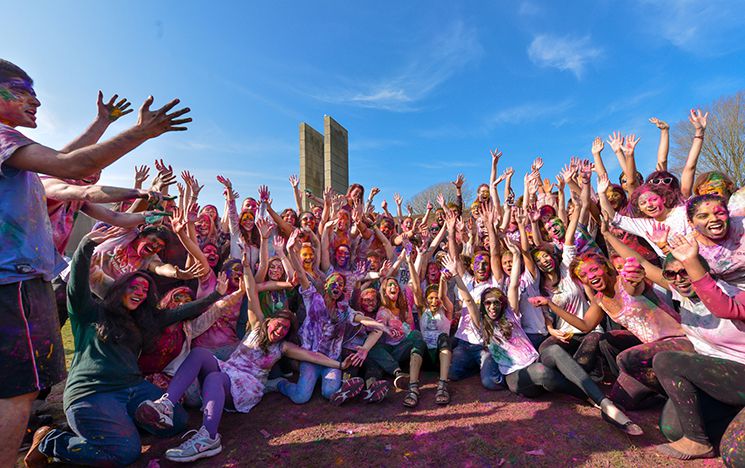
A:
x: 401, y: 303
x: 487, y: 324
x: 263, y: 333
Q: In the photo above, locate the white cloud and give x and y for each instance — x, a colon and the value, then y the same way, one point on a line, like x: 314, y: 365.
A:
x: 708, y: 28
x: 530, y: 112
x: 564, y: 53
x: 431, y: 65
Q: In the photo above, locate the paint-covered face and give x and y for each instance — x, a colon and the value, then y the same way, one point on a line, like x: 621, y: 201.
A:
x: 592, y: 274
x: 202, y: 225
x: 136, y: 293
x: 716, y: 185
x: 149, y: 245
x: 18, y: 103
x: 335, y: 286
x: 277, y: 328
x: 247, y: 221
x: 386, y: 227
x: 547, y: 213
x: 342, y: 221
x: 677, y: 277
x: 544, y: 261
x: 180, y: 298
x: 507, y: 263
x: 210, y: 251
x: 433, y: 273
x: 342, y: 256
x: 493, y: 305
x: 235, y: 272
x: 440, y: 216
x: 618, y: 262
x: 317, y: 212
x: 391, y: 290
x: 651, y: 204
x: 556, y: 229
x: 368, y: 301
x: 711, y: 219
x: 374, y: 261
x: 250, y: 204
x: 308, y: 256
x: 481, y: 267
x: 210, y: 211
x: 483, y: 193
x: 290, y: 217
x: 275, y: 270
x: 407, y: 224
x: 307, y: 220
x: 614, y: 198
x: 433, y: 301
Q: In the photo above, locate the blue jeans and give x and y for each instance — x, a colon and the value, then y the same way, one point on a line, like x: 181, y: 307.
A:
x: 105, y: 431
x: 470, y: 358
x: 302, y: 391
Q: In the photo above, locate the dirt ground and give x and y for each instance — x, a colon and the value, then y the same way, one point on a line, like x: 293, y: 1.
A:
x: 479, y: 428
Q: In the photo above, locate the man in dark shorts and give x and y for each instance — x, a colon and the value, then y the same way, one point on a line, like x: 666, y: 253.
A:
x: 31, y: 352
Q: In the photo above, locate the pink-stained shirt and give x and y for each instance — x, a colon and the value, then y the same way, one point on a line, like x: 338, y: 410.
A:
x: 62, y: 215
x: 513, y: 354
x: 718, y: 302
x: 726, y: 259
x: 222, y: 332
x: 647, y: 316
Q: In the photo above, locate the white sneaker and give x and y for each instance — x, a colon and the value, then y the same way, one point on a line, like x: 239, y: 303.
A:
x: 158, y: 413
x: 200, y: 445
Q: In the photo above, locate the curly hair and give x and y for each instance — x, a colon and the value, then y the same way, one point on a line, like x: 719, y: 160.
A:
x: 708, y: 176
x: 670, y: 198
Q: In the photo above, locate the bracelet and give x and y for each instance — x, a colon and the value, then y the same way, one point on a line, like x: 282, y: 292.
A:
x: 698, y: 136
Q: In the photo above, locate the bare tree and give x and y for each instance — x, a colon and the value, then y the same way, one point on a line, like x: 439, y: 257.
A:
x: 419, y: 201
x: 724, y: 143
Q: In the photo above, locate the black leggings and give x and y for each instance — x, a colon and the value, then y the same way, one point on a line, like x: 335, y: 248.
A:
x: 685, y: 376
x: 557, y: 359
x: 583, y: 348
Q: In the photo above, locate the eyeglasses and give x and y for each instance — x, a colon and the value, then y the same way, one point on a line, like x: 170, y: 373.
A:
x: 670, y: 275
x: 491, y: 303
x: 661, y: 180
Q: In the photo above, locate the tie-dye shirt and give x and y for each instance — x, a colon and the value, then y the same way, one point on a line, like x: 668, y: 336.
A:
x: 26, y: 243
x: 513, y: 354
x: 320, y: 332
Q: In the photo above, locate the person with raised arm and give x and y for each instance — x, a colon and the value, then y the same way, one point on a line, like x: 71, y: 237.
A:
x: 28, y: 258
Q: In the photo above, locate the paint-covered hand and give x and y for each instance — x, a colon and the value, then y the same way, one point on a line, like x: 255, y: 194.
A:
x: 141, y: 174
x: 597, y: 146
x: 394, y: 333
x: 632, y: 271
x: 659, y: 234
x: 195, y: 271
x: 222, y: 283
x: 153, y: 123
x: 111, y: 111
x: 683, y: 248
x: 347, y: 362
x: 615, y: 140
x: 630, y: 144
x: 538, y: 301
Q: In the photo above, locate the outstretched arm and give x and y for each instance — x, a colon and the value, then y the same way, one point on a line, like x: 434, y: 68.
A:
x: 698, y: 120
x: 83, y: 162
x: 107, y: 113
x: 664, y: 146
x: 449, y: 263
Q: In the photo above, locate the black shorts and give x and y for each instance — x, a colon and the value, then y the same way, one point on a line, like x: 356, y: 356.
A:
x: 31, y: 354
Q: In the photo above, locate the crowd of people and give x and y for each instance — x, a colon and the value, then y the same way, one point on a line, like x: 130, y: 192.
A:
x: 174, y: 306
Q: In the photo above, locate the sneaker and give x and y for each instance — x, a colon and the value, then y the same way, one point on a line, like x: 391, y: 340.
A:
x: 349, y: 389
x: 375, y: 392
x: 158, y: 413
x: 199, y: 445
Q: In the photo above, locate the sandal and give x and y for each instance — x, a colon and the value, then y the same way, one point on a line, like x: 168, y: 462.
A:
x: 629, y: 427
x: 412, y: 397
x: 442, y: 397
x: 399, y: 381
x: 376, y: 392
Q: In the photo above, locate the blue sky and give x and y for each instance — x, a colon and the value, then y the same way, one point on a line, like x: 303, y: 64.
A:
x: 424, y: 88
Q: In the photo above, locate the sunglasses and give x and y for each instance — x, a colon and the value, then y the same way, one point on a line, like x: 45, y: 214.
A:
x: 670, y: 275
x: 661, y: 180
x: 492, y: 302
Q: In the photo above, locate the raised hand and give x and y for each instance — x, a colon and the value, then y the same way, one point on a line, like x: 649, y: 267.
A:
x: 374, y: 191
x: 441, y: 200
x: 520, y: 218
x: 458, y: 182
x: 429, y: 205
x: 512, y: 245
x: 384, y: 205
x: 630, y: 145
x: 179, y: 220
x: 294, y: 181
x: 659, y: 233
x: 683, y: 248
x: 659, y: 123
x: 279, y: 245
x: 222, y: 283
x: 293, y: 239
x: 141, y: 174
x: 195, y: 271
x: 698, y: 120
x: 265, y: 227
x: 495, y: 155
x: 225, y: 182
x: 264, y: 193
x: 597, y: 146
x: 450, y: 220
x: 165, y: 176
x: 193, y: 212
x: 153, y: 123
x: 449, y: 263
x: 361, y: 267
x: 632, y: 271
x: 615, y: 140
x: 560, y: 182
x: 603, y: 183
x: 112, y: 110
x: 537, y: 164
x: 397, y: 198
x: 538, y: 301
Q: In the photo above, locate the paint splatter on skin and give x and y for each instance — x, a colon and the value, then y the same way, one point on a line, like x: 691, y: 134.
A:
x: 7, y: 95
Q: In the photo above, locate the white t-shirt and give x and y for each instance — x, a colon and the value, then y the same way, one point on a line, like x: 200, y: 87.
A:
x: 467, y: 331
x: 711, y: 335
x: 676, y: 220
x: 432, y: 325
x: 569, y: 295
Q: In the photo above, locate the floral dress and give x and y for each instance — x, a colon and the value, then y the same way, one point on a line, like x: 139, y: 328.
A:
x: 248, y: 368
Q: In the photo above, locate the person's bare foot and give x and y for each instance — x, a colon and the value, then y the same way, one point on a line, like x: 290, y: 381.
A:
x: 34, y: 457
x: 686, y: 449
